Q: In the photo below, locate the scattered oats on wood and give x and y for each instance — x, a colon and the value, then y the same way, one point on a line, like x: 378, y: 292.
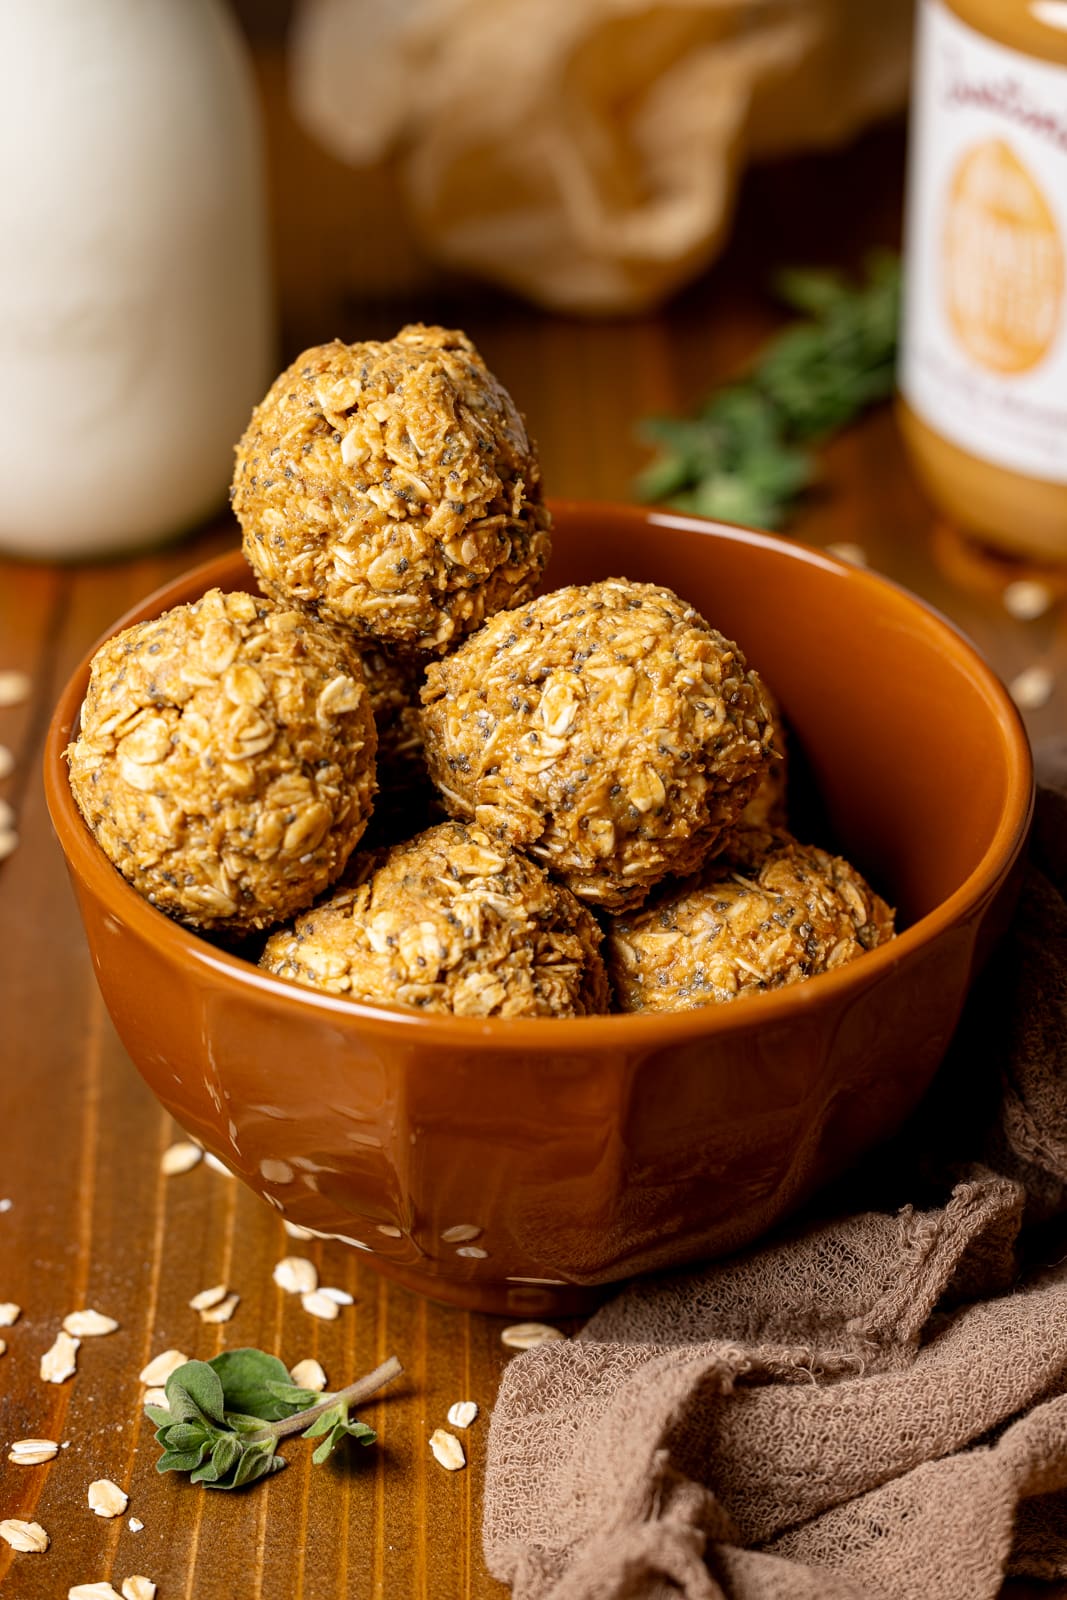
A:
x: 7, y: 762
x: 208, y: 1298
x: 308, y: 1374
x: 296, y: 1275
x: 30, y: 1452
x: 447, y: 1450
x: 89, y: 1324
x: 60, y: 1362
x: 461, y: 1233
x: 320, y: 1305
x: 1032, y: 688
x: 27, y: 1536
x: 160, y: 1367
x: 340, y: 1297
x: 295, y: 1231
x: 212, y: 1161
x: 1027, y: 599
x: 463, y: 1413
x: 180, y: 1157
x: 525, y: 1335
x: 156, y: 1397
x: 844, y: 551
x: 138, y: 1588
x: 223, y: 1311
x: 14, y: 688
x: 106, y: 1498
x: 93, y: 1591
x: 9, y: 1313
x: 134, y: 1524
x: 9, y: 842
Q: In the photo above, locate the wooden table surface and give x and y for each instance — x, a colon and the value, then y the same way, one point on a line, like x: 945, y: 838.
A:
x: 91, y: 1221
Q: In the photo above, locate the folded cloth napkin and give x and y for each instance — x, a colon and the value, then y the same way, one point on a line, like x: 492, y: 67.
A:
x: 872, y: 1407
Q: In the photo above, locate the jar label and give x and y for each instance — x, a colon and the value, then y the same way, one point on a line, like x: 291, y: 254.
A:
x: 984, y: 349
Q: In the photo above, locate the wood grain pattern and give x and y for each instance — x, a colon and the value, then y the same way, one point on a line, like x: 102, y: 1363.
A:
x: 93, y: 1223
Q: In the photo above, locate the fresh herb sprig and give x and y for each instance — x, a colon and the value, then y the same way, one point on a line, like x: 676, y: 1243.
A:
x: 227, y: 1416
x: 745, y: 456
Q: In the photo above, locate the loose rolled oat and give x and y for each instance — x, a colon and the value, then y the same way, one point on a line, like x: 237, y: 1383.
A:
x: 308, y: 1374
x: 225, y: 760
x: 134, y: 1524
x: 319, y: 1304
x: 296, y: 1275
x: 28, y: 1537
x: 89, y: 1324
x: 9, y: 1313
x: 14, y: 688
x: 447, y: 1450
x: 106, y: 1498
x: 180, y: 1157
x: 392, y: 487
x: 606, y: 729
x: 208, y: 1298
x: 340, y: 1297
x: 160, y: 1367
x: 222, y: 1310
x: 156, y: 1397
x: 60, y: 1361
x: 31, y: 1452
x: 138, y: 1588
x: 525, y: 1335
x: 462, y: 1413
x: 93, y: 1591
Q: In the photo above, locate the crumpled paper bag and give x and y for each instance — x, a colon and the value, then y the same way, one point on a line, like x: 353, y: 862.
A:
x: 586, y: 153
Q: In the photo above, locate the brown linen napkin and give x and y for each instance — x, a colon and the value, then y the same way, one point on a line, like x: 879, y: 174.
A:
x: 872, y: 1407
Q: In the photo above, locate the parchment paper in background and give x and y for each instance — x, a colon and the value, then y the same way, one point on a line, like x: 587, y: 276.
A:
x: 586, y: 153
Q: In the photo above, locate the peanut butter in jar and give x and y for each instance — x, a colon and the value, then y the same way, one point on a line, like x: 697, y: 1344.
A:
x: 983, y: 378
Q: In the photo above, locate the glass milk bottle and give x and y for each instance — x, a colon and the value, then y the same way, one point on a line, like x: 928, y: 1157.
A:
x: 984, y: 350
x: 135, y: 308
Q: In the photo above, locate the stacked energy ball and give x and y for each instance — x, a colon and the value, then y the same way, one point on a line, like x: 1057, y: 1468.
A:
x: 612, y: 769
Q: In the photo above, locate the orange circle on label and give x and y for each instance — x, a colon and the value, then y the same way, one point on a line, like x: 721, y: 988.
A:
x: 1003, y: 260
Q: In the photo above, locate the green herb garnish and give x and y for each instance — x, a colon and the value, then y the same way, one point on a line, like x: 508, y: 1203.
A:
x: 743, y: 457
x: 227, y: 1415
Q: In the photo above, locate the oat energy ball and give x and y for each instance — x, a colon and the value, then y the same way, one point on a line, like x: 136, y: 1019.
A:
x: 392, y: 487
x: 773, y: 913
x: 225, y: 760
x: 450, y: 922
x: 606, y: 729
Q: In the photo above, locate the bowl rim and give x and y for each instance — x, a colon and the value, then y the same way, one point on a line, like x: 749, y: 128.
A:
x: 181, y: 945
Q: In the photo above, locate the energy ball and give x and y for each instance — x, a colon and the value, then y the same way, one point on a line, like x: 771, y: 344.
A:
x: 450, y: 922
x: 606, y: 729
x: 773, y: 912
x: 225, y: 761
x: 392, y: 487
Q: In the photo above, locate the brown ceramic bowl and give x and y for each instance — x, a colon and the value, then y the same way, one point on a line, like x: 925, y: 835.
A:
x: 513, y: 1165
